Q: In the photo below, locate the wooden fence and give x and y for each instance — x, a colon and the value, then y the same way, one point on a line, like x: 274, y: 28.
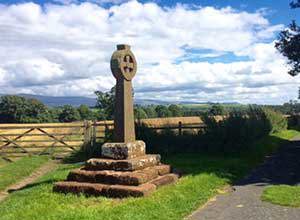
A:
x: 61, y: 139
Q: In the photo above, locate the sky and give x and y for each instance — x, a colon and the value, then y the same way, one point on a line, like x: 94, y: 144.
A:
x: 205, y: 50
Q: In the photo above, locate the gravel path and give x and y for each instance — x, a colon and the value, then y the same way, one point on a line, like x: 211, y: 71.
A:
x: 49, y: 166
x: 244, y: 203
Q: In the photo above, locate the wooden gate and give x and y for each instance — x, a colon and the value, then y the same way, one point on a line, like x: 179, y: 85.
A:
x: 57, y: 139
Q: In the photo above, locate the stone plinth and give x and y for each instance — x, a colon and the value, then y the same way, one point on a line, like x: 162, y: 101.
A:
x: 121, y: 151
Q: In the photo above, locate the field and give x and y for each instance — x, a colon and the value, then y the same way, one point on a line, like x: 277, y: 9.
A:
x: 205, y: 176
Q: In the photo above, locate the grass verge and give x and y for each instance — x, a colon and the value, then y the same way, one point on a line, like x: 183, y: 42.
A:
x: 205, y: 174
x: 11, y: 173
x: 282, y: 195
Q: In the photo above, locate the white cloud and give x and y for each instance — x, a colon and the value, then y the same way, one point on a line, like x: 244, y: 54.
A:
x: 66, y: 2
x: 65, y: 50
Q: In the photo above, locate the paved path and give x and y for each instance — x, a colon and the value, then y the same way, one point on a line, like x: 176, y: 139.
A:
x: 49, y: 166
x: 244, y: 203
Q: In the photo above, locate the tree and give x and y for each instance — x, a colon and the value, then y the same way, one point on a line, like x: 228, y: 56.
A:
x: 105, y: 102
x: 163, y: 111
x: 150, y: 111
x: 288, y: 44
x: 12, y: 108
x: 17, y: 109
x: 175, y: 110
x: 86, y: 113
x: 295, y: 4
x: 217, y: 109
x: 139, y: 113
x: 69, y: 114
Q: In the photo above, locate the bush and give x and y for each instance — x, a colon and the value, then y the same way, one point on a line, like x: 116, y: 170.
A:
x: 239, y: 130
x: 235, y: 134
x: 17, y: 109
x: 277, y: 120
x: 69, y: 114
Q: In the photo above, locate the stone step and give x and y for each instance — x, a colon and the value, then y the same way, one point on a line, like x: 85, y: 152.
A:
x: 118, y: 177
x: 97, y: 189
x: 165, y: 179
x: 115, y: 191
x: 137, y: 163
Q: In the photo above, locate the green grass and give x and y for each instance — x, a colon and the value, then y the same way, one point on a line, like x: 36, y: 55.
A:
x: 205, y: 174
x: 282, y: 195
x: 2, y: 162
x: 13, y: 172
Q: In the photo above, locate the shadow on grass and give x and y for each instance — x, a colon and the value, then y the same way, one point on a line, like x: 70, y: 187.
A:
x: 282, y: 167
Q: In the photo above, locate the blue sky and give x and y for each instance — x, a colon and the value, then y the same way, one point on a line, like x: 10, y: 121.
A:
x: 279, y: 10
x: 209, y: 50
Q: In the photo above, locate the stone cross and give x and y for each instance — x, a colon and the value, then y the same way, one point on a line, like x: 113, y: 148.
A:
x: 123, y: 67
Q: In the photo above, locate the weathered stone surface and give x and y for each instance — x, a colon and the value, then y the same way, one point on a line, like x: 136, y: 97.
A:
x: 164, y: 180
x: 122, y: 151
x: 115, y: 191
x: 118, y: 177
x: 123, y: 66
x: 137, y: 163
x: 163, y: 169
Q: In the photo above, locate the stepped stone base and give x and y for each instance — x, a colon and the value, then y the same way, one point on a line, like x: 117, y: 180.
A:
x: 117, y: 177
x: 137, y: 175
x: 115, y: 191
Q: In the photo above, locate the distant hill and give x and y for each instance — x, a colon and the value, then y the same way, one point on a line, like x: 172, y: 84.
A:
x: 54, y: 101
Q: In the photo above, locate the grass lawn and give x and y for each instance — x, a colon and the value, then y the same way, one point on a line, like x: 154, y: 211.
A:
x: 205, y: 174
x: 282, y: 195
x: 13, y: 172
x: 2, y: 162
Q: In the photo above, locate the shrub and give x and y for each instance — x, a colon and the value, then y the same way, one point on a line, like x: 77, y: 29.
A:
x: 277, y: 120
x: 69, y: 114
x: 236, y: 133
x: 239, y: 130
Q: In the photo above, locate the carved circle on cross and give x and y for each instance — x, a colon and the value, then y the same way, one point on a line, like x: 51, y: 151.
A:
x: 123, y: 63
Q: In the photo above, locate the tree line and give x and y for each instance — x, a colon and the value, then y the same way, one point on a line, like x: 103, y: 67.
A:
x: 18, y: 109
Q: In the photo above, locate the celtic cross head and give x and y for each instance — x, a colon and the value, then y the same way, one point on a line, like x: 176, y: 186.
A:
x: 123, y: 63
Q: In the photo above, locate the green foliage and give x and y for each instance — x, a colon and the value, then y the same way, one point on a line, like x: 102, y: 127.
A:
x: 217, y: 109
x: 86, y: 113
x: 106, y: 102
x: 282, y: 195
x: 163, y: 111
x: 139, y: 113
x: 239, y: 130
x: 235, y: 134
x: 175, y: 110
x: 150, y: 111
x: 69, y: 114
x: 276, y: 120
x: 295, y: 4
x: 17, y: 109
x: 288, y: 44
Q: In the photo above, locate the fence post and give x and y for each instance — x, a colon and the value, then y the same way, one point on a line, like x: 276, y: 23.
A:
x: 87, y: 135
x: 180, y: 128
x: 94, y: 133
